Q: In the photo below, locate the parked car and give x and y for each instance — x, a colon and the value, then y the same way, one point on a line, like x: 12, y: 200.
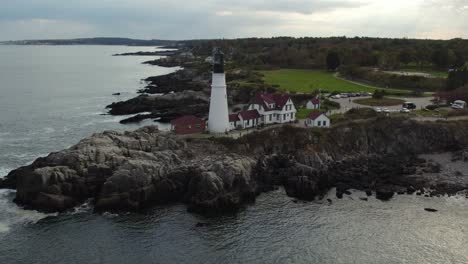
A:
x: 386, y: 110
x: 459, y: 104
x: 336, y: 96
x: 378, y: 110
x: 344, y: 95
x: 404, y: 110
x: 409, y: 105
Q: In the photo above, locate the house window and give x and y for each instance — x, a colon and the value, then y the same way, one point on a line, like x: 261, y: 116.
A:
x: 248, y: 122
x: 324, y: 123
x: 197, y: 126
x: 319, y: 123
x: 270, y: 117
x: 284, y: 116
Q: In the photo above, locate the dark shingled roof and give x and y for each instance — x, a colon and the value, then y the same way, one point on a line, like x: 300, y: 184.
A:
x: 249, y: 115
x: 315, y: 115
x: 264, y: 99
x: 280, y: 100
x: 315, y: 101
x: 187, y: 120
x: 233, y: 117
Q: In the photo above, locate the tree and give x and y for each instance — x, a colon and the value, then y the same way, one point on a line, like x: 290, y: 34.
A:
x: 406, y: 56
x: 389, y: 61
x: 333, y: 60
x: 379, y: 94
x: 443, y: 57
x: 457, y: 78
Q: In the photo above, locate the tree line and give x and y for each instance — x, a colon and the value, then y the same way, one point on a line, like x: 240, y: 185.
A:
x: 335, y: 52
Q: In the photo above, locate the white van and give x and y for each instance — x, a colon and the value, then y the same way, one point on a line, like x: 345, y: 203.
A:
x: 459, y: 104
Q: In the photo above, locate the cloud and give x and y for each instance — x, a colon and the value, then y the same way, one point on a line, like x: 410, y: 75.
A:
x: 230, y: 19
x: 40, y: 28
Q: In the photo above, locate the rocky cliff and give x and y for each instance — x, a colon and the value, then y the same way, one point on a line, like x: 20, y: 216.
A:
x: 133, y: 170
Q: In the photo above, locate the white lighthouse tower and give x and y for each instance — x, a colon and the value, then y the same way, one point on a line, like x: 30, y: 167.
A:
x: 218, y: 119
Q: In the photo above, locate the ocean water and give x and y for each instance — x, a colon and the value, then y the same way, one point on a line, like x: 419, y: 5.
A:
x: 53, y: 96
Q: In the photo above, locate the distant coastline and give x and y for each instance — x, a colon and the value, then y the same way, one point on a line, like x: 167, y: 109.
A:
x: 95, y: 41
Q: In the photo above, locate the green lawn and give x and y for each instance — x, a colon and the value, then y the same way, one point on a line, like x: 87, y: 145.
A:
x: 302, y: 113
x: 440, y: 74
x: 307, y: 81
x: 379, y: 102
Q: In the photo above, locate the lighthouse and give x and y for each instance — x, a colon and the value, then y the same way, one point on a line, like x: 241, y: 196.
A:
x: 218, y: 119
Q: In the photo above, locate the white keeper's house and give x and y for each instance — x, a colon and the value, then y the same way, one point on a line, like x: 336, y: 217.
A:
x: 313, y: 103
x: 317, y: 119
x: 265, y: 109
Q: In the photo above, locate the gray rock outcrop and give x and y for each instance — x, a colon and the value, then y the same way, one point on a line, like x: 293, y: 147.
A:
x: 133, y: 170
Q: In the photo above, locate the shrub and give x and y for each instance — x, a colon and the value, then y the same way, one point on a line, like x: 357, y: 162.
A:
x: 432, y: 107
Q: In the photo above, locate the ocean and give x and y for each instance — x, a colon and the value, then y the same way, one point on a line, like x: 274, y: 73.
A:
x: 53, y: 96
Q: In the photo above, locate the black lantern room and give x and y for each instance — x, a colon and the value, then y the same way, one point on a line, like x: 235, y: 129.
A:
x: 218, y: 61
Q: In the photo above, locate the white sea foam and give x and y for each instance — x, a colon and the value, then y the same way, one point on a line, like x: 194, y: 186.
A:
x: 4, y: 171
x: 83, y: 208
x: 109, y: 215
x: 11, y: 214
x: 457, y: 200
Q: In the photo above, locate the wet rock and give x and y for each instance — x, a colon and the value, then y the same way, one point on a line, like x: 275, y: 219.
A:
x: 133, y: 170
x: 339, y: 195
x: 168, y: 107
x: 384, y: 194
x: 430, y: 210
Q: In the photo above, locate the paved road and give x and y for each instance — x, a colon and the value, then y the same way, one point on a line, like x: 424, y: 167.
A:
x: 347, y: 103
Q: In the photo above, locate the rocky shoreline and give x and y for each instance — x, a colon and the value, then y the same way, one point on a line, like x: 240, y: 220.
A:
x: 148, y: 53
x: 128, y: 171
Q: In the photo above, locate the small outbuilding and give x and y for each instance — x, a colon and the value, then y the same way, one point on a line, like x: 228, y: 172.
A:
x: 188, y: 125
x: 234, y: 121
x: 250, y: 118
x: 317, y: 119
x: 313, y: 103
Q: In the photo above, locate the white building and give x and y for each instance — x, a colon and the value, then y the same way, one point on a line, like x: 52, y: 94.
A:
x: 234, y: 121
x: 274, y: 108
x: 218, y: 119
x: 265, y: 109
x: 317, y: 119
x: 313, y: 103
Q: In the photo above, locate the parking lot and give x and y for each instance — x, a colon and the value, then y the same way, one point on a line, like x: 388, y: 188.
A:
x: 348, y: 103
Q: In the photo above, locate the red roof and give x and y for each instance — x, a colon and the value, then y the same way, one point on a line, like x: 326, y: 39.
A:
x: 233, y: 117
x: 187, y: 120
x: 248, y: 115
x: 315, y: 115
x: 315, y: 101
x: 266, y: 99
x: 281, y: 100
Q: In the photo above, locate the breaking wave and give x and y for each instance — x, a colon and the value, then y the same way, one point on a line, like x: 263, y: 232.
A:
x: 11, y: 214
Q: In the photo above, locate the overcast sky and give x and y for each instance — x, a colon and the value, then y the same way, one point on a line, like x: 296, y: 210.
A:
x: 189, y: 19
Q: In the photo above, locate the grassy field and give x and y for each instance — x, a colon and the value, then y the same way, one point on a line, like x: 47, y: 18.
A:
x: 307, y: 81
x: 379, y: 102
x: 302, y: 113
x: 440, y: 74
